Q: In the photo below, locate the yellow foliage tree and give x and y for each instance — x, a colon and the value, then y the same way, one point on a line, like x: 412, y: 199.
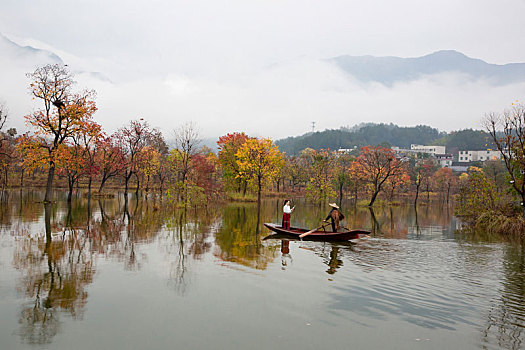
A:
x: 259, y: 160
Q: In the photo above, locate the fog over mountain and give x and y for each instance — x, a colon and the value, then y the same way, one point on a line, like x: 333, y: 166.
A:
x: 25, y: 56
x: 445, y: 89
x: 389, y: 70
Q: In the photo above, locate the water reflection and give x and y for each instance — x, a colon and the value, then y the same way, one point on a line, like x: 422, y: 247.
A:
x: 505, y: 318
x: 286, y: 258
x: 56, y: 273
x: 415, y: 270
x: 237, y: 239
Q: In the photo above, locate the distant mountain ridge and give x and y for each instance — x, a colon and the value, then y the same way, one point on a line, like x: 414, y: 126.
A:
x: 26, y: 54
x: 389, y: 69
x: 29, y: 57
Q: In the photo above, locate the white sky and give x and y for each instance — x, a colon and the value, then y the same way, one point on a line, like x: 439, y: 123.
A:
x: 254, y: 65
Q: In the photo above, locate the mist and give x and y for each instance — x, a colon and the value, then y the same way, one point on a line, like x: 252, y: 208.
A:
x: 278, y: 101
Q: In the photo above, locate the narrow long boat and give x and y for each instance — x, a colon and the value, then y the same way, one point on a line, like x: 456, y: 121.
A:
x: 319, y: 235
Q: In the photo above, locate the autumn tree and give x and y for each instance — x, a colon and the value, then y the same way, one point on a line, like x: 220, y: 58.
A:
x: 157, y: 141
x: 320, y: 173
x: 396, y: 182
x: 76, y: 158
x: 63, y: 114
x: 204, y: 171
x: 342, y: 178
x: 295, y: 170
x: 356, y: 178
x: 378, y: 164
x: 508, y: 133
x: 495, y: 170
x: 88, y: 140
x: 7, y: 147
x: 259, y: 161
x: 478, y: 196
x: 229, y: 145
x: 187, y: 142
x: 132, y: 139
x: 149, y: 160
x: 70, y: 163
x: 422, y: 174
x: 445, y: 180
x: 110, y: 158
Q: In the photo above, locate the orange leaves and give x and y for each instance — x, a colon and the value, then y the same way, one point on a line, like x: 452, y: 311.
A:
x: 378, y: 163
x: 64, y: 116
x: 32, y: 154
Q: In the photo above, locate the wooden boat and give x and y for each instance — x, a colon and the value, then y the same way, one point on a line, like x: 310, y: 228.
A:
x: 319, y: 235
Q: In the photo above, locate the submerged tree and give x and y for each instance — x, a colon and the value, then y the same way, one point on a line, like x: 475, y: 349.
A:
x: 63, y: 115
x: 445, y: 181
x: 321, y: 174
x: 259, y: 161
x: 378, y: 164
x: 131, y: 140
x: 511, y: 144
x: 7, y: 148
x: 343, y: 179
x: 229, y: 145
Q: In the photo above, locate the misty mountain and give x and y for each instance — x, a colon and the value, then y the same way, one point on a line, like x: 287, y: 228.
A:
x: 26, y: 55
x: 389, y: 70
x: 28, y: 58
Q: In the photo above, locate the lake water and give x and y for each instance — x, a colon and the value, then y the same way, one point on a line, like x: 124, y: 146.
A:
x: 106, y: 275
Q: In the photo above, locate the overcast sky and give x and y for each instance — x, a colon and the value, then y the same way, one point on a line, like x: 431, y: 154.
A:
x: 255, y: 65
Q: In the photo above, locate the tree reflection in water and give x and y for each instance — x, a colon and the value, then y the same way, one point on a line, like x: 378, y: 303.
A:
x: 56, y: 273
x: 58, y: 265
x: 505, y: 321
x: 237, y: 241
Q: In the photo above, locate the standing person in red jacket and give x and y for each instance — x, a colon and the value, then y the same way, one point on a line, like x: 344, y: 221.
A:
x: 286, y: 214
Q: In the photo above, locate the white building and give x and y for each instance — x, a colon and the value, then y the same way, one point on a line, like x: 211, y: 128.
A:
x: 433, y: 150
x: 474, y: 156
x: 346, y: 150
x: 445, y: 160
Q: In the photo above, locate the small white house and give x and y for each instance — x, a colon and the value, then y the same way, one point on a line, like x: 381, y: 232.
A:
x: 433, y: 150
x: 474, y: 156
x: 445, y: 160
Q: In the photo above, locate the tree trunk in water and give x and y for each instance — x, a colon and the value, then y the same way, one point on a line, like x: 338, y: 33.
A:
x: 102, y: 185
x: 428, y: 192
x: 49, y: 186
x: 126, y: 178
x: 259, y: 192
x: 89, y: 187
x: 417, y: 194
x: 47, y: 221
x: 374, y: 196
x: 71, y: 183
x: 138, y: 186
x: 22, y: 178
x: 340, y: 194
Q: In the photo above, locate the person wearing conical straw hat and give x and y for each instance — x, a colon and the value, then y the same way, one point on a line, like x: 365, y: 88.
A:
x: 335, y: 216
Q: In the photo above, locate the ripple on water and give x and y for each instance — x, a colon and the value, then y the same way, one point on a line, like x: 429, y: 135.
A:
x: 427, y: 283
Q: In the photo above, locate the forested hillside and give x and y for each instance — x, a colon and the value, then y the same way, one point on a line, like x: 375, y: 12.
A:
x: 386, y: 134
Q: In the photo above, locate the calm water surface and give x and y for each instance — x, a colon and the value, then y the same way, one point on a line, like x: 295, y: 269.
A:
x: 106, y: 275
